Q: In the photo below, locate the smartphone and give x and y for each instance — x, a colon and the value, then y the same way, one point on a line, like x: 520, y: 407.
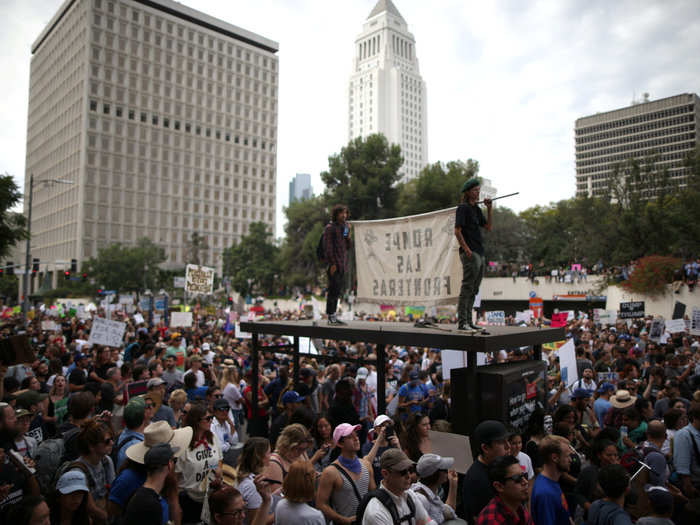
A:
x: 388, y: 432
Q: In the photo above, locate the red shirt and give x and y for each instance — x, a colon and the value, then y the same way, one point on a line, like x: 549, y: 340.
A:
x: 262, y: 412
x: 497, y: 512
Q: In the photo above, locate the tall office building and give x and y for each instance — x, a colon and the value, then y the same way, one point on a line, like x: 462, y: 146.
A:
x: 666, y: 128
x: 386, y: 92
x: 162, y: 117
x: 300, y: 187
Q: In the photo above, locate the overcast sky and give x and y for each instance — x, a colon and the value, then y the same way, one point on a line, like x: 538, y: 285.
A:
x: 505, y: 79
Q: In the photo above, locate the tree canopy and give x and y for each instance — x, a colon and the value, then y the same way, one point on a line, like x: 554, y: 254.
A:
x: 253, y: 263
x: 12, y: 224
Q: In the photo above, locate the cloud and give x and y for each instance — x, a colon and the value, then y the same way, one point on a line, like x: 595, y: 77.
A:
x: 505, y: 80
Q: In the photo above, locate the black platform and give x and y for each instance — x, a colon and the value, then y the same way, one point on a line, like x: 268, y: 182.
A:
x: 399, y: 333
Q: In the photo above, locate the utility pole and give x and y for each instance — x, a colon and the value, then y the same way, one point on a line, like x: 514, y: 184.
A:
x: 28, y: 260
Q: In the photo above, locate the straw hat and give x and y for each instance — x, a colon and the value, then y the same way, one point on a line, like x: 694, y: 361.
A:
x: 229, y: 475
x: 622, y: 399
x: 157, y: 433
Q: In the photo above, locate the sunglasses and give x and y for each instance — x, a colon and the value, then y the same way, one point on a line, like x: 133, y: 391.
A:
x: 404, y: 472
x: 108, y: 440
x: 238, y: 513
x: 207, y: 418
x: 218, y: 396
x: 517, y: 478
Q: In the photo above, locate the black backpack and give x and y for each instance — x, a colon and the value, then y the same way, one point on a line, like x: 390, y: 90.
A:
x: 321, y: 247
x: 383, y: 496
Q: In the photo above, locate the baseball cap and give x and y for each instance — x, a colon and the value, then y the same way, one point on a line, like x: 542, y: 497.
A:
x: 429, y: 464
x: 395, y: 459
x: 159, y: 455
x: 581, y: 393
x: 206, y: 346
x: 22, y: 412
x: 380, y: 420
x: 413, y: 375
x: 660, y: 498
x: 28, y: 398
x: 362, y: 373
x: 606, y: 387
x: 72, y: 481
x: 221, y: 404
x: 292, y: 396
x: 344, y: 429
x: 154, y: 381
x: 488, y: 431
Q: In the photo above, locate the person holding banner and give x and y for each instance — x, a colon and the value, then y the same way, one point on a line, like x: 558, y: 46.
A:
x: 468, y: 221
x: 336, y: 243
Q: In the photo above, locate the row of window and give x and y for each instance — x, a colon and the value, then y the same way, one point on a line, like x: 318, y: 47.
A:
x: 637, y: 138
x: 684, y: 146
x: 667, y: 139
x: 666, y: 157
x: 176, y: 125
x: 665, y: 123
x: 647, y: 117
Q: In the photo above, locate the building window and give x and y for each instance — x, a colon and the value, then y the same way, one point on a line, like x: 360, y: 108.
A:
x: 93, y: 105
x: 105, y: 109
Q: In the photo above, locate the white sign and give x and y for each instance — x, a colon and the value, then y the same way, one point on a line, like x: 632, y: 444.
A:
x: 497, y: 317
x: 181, y: 319
x: 138, y: 318
x: 604, y: 316
x: 242, y: 335
x: 456, y: 446
x: 457, y: 359
x: 199, y: 279
x: 178, y: 282
x: 675, y: 326
x: 408, y: 261
x: 49, y: 326
x: 567, y: 363
x: 126, y: 299
x: 106, y: 332
x: 523, y: 317
x: 656, y: 330
x: 695, y: 321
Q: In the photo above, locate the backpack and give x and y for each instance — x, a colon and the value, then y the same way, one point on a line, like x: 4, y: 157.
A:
x: 131, y: 440
x: 78, y: 465
x: 321, y: 247
x: 383, y: 496
x: 50, y: 454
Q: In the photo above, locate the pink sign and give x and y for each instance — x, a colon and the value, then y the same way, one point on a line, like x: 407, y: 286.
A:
x: 575, y: 267
x: 559, y: 320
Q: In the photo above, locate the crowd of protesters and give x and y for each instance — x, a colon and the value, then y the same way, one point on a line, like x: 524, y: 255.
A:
x: 161, y: 429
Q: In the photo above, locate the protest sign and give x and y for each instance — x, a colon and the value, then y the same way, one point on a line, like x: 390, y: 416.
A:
x: 408, y: 261
x: 656, y: 330
x: 567, y: 363
x: 456, y: 446
x: 137, y: 388
x: 675, y: 326
x: 608, y: 377
x: 106, y: 332
x: 632, y: 310
x: 181, y: 319
x: 178, y: 282
x: 695, y: 321
x: 559, y: 320
x: 199, y: 279
x: 49, y: 326
x: 497, y: 317
x: 457, y: 359
x: 678, y: 310
x: 523, y: 317
x: 604, y: 316
x: 240, y: 334
x: 138, y: 318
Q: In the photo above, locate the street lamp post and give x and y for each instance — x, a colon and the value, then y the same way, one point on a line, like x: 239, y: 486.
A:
x: 28, y: 256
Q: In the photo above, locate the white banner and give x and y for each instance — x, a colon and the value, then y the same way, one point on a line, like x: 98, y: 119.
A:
x: 106, y: 332
x: 181, y: 319
x: 199, y: 279
x: 567, y: 363
x: 408, y: 261
x: 497, y: 317
x: 675, y: 326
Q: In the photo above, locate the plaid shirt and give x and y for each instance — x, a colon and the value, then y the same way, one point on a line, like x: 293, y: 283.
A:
x: 336, y: 246
x: 497, y: 512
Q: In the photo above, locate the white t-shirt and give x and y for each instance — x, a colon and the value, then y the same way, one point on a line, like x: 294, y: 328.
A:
x: 199, y: 374
x: 526, y: 464
x: 251, y: 496
x: 377, y: 514
x: 227, y: 437
x: 289, y: 513
x: 195, y: 466
x: 233, y: 396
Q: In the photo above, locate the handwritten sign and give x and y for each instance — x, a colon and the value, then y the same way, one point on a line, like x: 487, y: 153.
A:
x: 632, y: 310
x: 497, y: 317
x: 49, y: 326
x: 675, y: 326
x: 106, y: 332
x: 138, y: 318
x: 695, y: 321
x: 181, y: 319
x: 523, y: 317
x: 199, y: 279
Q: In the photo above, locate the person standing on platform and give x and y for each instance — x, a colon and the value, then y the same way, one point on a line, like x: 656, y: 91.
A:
x: 336, y: 240
x: 468, y: 221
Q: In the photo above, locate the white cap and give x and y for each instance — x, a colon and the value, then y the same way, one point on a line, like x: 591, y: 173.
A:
x: 380, y: 420
x: 206, y: 346
x: 429, y: 464
x: 362, y: 373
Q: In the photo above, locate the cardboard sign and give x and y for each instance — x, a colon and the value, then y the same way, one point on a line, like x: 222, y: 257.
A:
x: 695, y: 321
x: 106, y: 332
x: 675, y: 326
x: 567, y: 363
x: 656, y: 330
x: 457, y: 446
x: 523, y: 317
x: 632, y: 310
x: 49, y: 326
x: 199, y: 279
x: 559, y: 320
x: 181, y: 319
x: 497, y: 317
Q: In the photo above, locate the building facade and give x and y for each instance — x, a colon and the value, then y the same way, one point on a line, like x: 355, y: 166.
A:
x: 386, y: 93
x: 300, y: 187
x: 164, y: 121
x: 665, y: 129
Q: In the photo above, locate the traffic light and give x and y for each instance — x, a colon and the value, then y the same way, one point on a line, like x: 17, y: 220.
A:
x: 66, y: 275
x: 230, y: 301
x: 2, y: 272
x: 84, y: 276
x: 73, y: 265
x: 35, y: 266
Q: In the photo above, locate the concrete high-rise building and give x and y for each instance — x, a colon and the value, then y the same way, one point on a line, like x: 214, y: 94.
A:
x: 162, y: 117
x: 667, y: 128
x: 386, y: 93
x: 300, y: 187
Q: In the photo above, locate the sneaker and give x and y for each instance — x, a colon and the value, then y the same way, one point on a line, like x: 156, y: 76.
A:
x: 334, y: 321
x: 461, y: 325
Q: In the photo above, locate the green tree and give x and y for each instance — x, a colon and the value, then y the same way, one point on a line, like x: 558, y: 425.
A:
x: 12, y: 224
x: 438, y: 186
x: 126, y: 268
x: 363, y: 176
x: 305, y: 222
x: 196, y: 249
x: 508, y: 239
x: 253, y: 263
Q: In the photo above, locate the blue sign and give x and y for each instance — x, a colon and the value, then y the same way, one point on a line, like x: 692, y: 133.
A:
x: 160, y: 304
x: 145, y: 304
x: 533, y: 294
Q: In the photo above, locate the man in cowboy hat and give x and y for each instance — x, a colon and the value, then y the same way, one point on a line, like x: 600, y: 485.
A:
x: 130, y: 479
